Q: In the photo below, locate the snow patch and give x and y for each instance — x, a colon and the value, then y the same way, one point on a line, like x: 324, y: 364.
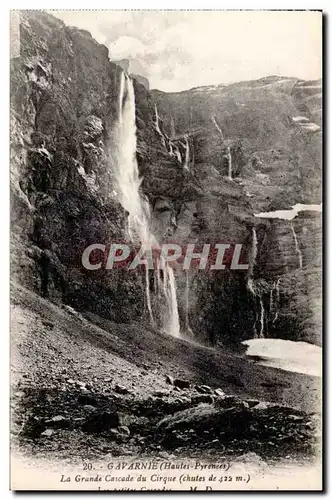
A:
x: 311, y: 87
x: 299, y: 357
x: 313, y: 127
x: 300, y: 119
x: 290, y: 214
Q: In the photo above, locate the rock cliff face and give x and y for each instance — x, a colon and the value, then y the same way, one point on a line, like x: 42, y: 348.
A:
x: 64, y: 101
x: 266, y: 135
x: 288, y: 276
x: 272, y: 127
x: 210, y: 159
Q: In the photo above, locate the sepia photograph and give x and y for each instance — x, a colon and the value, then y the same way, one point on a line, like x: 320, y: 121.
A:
x: 166, y: 250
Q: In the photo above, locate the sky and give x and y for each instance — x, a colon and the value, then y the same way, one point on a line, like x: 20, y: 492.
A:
x: 177, y: 50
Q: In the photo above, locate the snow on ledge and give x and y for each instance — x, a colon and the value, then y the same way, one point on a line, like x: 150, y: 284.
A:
x: 300, y: 119
x: 313, y: 127
x: 290, y: 214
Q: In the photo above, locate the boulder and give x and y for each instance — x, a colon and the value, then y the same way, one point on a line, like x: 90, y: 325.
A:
x: 101, y: 422
x: 219, y: 392
x: 87, y: 399
x: 181, y: 384
x: 47, y: 433
x: 123, y: 429
x: 202, y: 398
x: 58, y: 421
x: 121, y: 389
x: 208, y: 421
x: 169, y: 380
x: 204, y: 389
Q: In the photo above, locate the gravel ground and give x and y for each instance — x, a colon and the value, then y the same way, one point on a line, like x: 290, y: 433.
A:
x: 82, y: 390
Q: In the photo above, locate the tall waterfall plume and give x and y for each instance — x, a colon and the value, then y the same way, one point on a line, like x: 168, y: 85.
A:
x: 128, y: 180
x: 126, y: 167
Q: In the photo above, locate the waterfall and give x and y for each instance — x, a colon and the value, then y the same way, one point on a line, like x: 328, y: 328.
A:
x: 121, y: 96
x: 257, y: 295
x: 253, y: 256
x: 229, y: 157
x: 278, y: 290
x: 126, y: 169
x: 214, y: 121
x: 173, y: 326
x: 251, y: 288
x: 250, y: 281
x: 276, y: 285
x: 156, y: 123
x: 271, y: 298
x: 174, y: 151
x: 172, y: 127
x: 297, y: 248
x: 255, y: 329
x: 254, y: 246
x: 177, y: 154
x: 262, y: 317
x: 126, y: 166
x: 187, y: 155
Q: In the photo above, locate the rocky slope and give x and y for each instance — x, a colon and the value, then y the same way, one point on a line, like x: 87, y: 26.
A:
x: 84, y: 388
x: 65, y: 101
